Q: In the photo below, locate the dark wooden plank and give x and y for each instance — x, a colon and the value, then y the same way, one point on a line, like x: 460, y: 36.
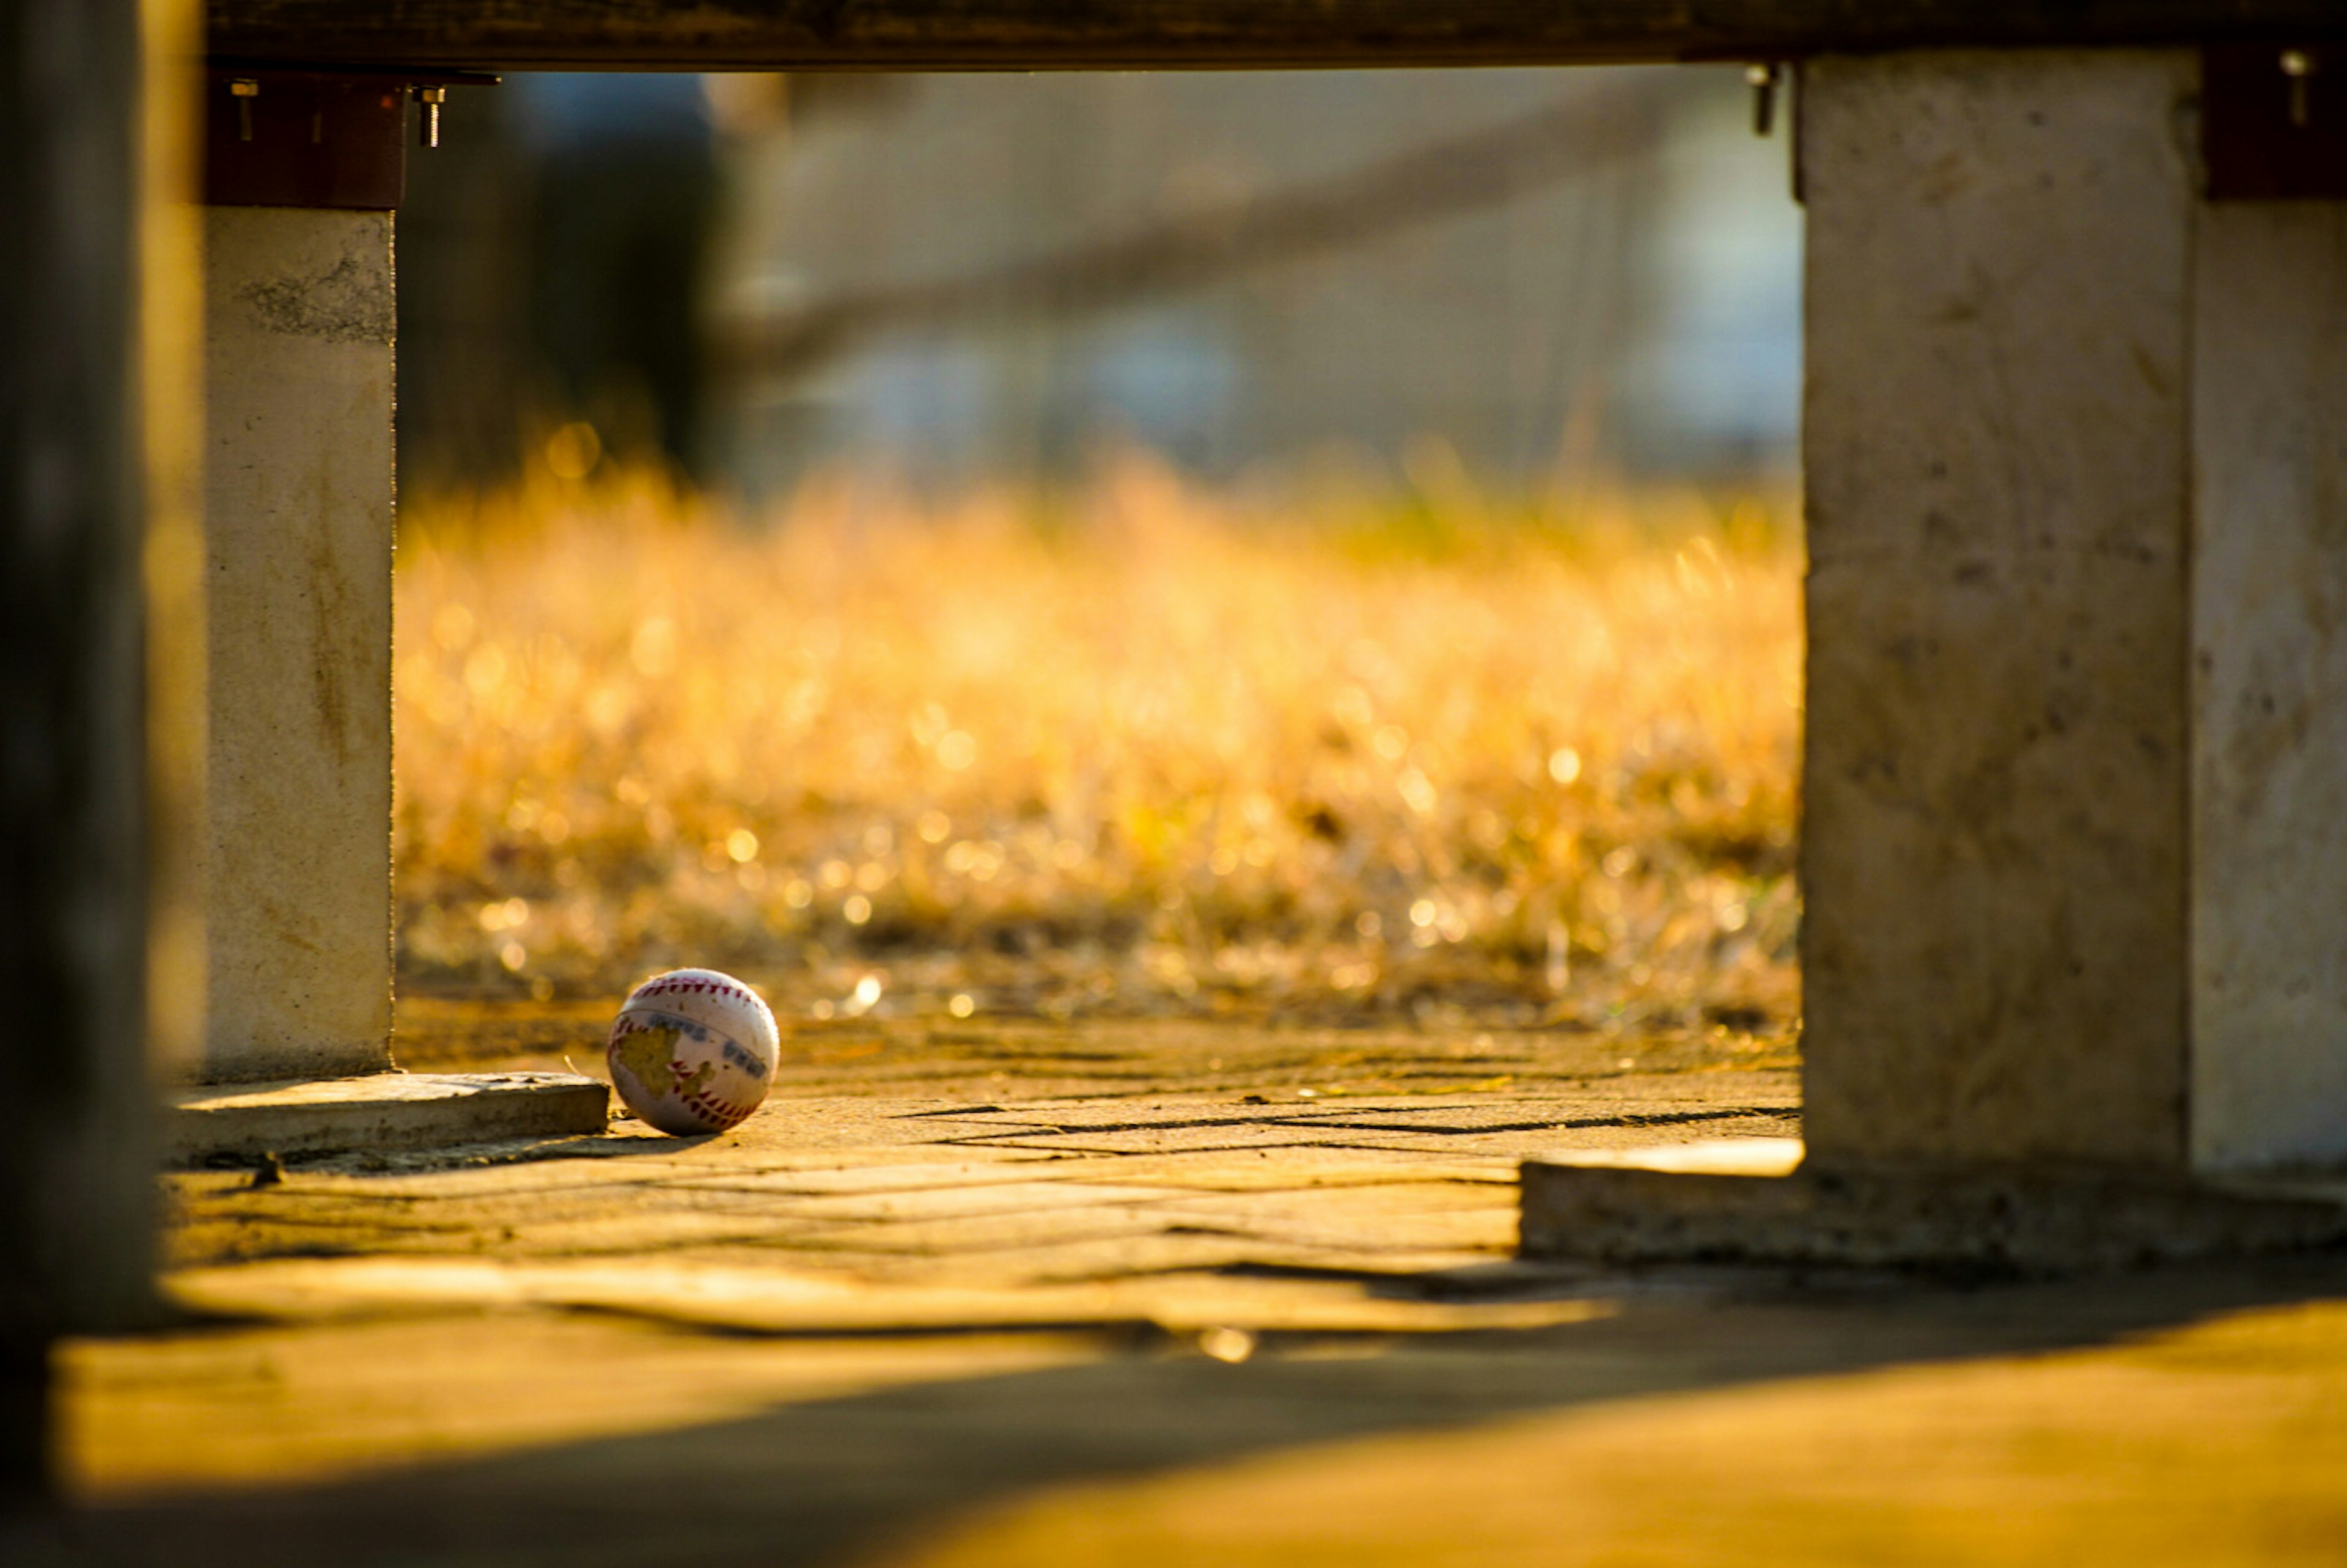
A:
x: 920, y: 35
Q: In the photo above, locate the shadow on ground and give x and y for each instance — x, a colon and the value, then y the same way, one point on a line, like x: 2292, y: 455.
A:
x: 934, y: 1467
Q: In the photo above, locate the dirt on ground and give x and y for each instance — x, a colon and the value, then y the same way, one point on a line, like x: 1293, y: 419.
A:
x: 1151, y: 1293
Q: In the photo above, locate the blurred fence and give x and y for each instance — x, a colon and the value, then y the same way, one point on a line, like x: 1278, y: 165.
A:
x: 962, y: 279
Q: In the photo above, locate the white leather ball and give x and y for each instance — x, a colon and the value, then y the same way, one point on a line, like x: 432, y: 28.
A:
x: 693, y: 1052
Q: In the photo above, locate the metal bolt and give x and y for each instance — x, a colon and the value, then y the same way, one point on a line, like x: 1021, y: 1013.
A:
x: 2298, y: 65
x: 1762, y: 78
x: 432, y: 98
x: 244, y: 90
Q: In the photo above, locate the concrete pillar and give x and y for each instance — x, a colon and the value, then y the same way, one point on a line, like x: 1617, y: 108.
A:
x: 298, y: 381
x: 1996, y: 440
x: 2269, y: 684
x: 2076, y: 447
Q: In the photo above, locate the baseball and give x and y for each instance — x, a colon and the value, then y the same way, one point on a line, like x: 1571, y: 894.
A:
x: 692, y: 1051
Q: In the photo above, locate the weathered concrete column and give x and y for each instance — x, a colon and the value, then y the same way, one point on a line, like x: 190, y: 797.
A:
x: 2268, y: 931
x: 298, y: 381
x: 1996, y: 441
x: 2076, y: 443
x: 302, y: 171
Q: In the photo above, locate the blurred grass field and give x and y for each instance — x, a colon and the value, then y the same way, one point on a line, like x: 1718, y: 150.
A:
x: 1147, y: 750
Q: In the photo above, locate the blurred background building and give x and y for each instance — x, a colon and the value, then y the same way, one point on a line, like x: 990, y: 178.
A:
x: 1530, y: 274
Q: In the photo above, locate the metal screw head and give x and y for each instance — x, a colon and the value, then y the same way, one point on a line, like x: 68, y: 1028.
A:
x: 431, y: 98
x: 1761, y: 77
x: 2299, y: 66
x: 243, y: 90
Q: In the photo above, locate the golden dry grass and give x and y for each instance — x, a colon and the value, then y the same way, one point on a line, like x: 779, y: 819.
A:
x: 1148, y: 750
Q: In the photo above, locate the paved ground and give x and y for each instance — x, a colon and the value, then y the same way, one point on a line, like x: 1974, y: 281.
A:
x: 1153, y: 1294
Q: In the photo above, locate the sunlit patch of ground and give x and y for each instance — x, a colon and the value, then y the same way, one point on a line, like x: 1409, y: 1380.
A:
x: 1146, y: 751
x: 2221, y: 1442
x: 2184, y: 1417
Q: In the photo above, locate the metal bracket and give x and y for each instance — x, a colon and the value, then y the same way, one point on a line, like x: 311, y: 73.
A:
x: 2273, y: 122
x: 322, y: 137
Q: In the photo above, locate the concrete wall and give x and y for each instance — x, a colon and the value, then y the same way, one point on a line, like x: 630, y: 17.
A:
x: 2269, y: 684
x: 1996, y: 418
x: 298, y: 382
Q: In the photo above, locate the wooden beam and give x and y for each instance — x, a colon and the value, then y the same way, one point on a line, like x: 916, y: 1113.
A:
x: 1021, y: 35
